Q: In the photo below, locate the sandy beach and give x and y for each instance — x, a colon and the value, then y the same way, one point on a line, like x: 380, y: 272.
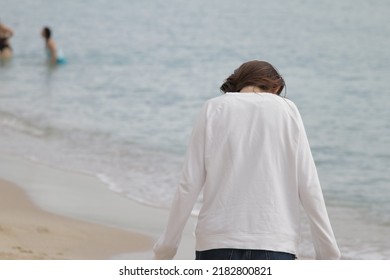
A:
x: 47, y: 213
x: 28, y: 232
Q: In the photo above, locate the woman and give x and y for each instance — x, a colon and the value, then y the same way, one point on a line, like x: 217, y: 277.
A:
x: 5, y: 47
x: 250, y: 156
x: 54, y: 55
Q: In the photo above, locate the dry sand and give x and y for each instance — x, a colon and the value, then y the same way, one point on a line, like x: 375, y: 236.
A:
x: 50, y: 213
x: 27, y: 232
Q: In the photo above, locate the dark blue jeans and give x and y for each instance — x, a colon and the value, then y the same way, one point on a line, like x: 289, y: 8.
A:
x: 241, y: 254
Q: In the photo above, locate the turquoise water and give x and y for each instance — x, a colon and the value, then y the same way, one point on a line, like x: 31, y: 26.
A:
x: 137, y: 73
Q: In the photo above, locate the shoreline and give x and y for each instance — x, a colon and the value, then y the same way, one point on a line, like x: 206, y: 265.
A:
x: 28, y: 232
x: 89, y: 202
x: 38, y: 199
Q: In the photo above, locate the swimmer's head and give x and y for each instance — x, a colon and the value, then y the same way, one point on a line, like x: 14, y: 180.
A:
x: 46, y: 33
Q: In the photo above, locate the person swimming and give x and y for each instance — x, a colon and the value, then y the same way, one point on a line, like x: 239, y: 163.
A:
x: 5, y: 47
x: 55, y: 56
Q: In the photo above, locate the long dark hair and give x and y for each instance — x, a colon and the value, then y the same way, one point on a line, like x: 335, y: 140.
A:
x: 256, y: 73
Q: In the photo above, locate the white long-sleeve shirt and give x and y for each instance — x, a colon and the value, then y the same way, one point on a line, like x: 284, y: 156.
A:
x: 250, y: 155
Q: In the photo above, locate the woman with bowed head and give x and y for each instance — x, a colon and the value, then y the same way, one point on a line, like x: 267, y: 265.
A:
x: 250, y: 156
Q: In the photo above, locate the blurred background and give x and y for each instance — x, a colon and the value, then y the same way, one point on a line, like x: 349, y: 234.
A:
x: 137, y: 73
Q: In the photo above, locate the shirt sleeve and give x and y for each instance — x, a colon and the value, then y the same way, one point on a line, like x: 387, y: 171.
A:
x: 191, y: 182
x: 312, y: 200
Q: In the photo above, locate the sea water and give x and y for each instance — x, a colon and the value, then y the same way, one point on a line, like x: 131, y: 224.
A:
x: 123, y: 106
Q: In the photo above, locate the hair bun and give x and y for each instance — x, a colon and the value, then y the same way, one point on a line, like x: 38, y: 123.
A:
x: 228, y: 86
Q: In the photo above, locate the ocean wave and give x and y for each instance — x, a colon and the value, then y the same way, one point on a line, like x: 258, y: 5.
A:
x: 22, y: 125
